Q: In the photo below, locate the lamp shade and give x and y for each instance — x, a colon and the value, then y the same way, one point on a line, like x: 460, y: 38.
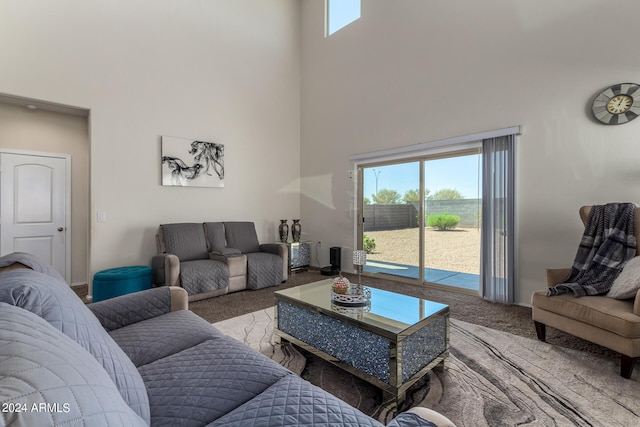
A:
x: 359, y: 257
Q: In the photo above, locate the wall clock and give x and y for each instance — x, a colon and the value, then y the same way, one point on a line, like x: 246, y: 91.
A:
x: 617, y: 104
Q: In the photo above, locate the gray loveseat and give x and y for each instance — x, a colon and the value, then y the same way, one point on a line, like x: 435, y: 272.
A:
x: 214, y: 258
x: 140, y: 359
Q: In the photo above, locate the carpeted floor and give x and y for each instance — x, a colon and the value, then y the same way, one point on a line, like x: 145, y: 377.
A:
x: 468, y: 308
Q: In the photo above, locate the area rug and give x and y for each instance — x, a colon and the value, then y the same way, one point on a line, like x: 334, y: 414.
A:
x: 493, y: 378
x: 498, y: 379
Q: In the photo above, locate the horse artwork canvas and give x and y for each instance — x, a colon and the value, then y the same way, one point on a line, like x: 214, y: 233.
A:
x: 192, y: 163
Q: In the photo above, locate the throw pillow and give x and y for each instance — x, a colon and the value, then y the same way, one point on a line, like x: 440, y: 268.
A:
x: 627, y: 283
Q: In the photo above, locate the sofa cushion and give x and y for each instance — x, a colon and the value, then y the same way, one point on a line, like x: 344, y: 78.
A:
x: 215, y: 236
x: 185, y: 240
x: 217, y: 240
x: 242, y: 235
x: 201, y: 384
x: 162, y: 336
x: 293, y: 401
x: 263, y: 270
x: 118, y: 312
x: 605, y: 313
x: 55, y: 302
x: 203, y: 275
x: 627, y: 283
x: 41, y: 366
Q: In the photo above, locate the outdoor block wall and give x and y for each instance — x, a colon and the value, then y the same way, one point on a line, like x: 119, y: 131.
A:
x: 390, y: 217
x: 467, y: 209
x: 399, y: 216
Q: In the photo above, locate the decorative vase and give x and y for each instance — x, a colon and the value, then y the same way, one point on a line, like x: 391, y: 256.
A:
x: 296, y: 229
x: 283, y: 229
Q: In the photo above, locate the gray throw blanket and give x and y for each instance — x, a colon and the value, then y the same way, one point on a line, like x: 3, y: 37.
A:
x: 31, y: 261
x: 607, y: 244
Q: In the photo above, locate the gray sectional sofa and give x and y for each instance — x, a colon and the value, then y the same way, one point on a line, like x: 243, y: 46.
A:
x: 214, y: 258
x: 140, y: 359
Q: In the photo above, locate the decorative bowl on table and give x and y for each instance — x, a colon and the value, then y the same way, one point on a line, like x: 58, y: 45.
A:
x: 356, y: 312
x: 353, y: 298
x: 340, y: 285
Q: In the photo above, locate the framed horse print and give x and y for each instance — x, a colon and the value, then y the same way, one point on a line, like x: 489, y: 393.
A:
x: 192, y: 163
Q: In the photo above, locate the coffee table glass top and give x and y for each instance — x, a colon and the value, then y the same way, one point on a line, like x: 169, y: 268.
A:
x: 389, y: 311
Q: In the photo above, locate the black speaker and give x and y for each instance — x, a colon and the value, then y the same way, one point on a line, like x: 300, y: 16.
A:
x: 334, y: 259
x: 334, y: 256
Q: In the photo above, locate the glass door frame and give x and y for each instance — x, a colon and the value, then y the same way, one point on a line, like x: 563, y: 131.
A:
x: 422, y: 159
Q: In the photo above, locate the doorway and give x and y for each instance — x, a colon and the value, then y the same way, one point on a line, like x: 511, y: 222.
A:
x: 34, y: 207
x: 452, y: 212
x: 31, y: 126
x: 421, y: 218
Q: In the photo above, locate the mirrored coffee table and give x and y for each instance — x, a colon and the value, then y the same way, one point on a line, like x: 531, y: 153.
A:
x: 391, y: 343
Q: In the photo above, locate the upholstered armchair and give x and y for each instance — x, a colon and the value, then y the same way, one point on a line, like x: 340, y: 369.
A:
x: 267, y: 263
x: 609, y: 322
x: 185, y: 260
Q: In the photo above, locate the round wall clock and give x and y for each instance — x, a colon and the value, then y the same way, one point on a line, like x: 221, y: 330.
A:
x: 617, y: 104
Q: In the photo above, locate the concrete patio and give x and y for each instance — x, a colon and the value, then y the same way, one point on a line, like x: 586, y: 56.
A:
x: 432, y: 275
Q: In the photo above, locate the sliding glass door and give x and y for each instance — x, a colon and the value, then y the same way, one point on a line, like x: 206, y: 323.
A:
x: 391, y: 217
x: 421, y: 218
x: 451, y: 250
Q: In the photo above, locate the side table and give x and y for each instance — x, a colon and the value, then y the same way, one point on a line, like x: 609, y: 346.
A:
x: 299, y: 255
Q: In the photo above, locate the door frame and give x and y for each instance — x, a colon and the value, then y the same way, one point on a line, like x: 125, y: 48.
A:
x: 67, y: 201
x: 442, y: 151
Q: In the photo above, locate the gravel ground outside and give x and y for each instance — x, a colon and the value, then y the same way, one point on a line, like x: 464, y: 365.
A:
x: 454, y: 250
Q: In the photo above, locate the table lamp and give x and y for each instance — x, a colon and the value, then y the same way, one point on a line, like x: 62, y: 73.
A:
x: 359, y: 259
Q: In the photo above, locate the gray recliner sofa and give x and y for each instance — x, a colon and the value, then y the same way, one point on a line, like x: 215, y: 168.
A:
x: 214, y: 258
x: 141, y: 359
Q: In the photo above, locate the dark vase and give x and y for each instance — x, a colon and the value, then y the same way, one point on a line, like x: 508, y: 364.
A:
x: 296, y: 229
x: 283, y: 229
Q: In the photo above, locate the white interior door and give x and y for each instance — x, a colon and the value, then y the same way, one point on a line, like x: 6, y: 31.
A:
x: 33, y: 208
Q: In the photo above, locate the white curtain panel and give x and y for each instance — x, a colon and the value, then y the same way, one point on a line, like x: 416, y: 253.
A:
x: 498, y: 215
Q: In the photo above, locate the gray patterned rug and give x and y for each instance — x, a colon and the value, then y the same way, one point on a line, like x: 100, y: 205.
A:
x: 493, y: 379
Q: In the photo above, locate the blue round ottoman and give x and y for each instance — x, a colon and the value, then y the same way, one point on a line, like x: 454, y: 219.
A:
x: 120, y: 281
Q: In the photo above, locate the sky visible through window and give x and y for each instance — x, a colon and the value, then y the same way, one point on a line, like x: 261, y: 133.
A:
x: 460, y: 173
x: 341, y: 13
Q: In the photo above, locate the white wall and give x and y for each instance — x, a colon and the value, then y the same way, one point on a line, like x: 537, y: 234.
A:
x: 226, y: 71
x: 417, y: 71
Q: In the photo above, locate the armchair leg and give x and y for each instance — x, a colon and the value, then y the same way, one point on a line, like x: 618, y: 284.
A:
x: 541, y: 330
x: 626, y: 366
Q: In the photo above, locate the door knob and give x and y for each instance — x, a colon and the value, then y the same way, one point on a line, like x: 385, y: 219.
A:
x: 60, y: 229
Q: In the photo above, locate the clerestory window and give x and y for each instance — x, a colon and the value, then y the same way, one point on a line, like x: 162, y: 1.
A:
x: 340, y: 13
